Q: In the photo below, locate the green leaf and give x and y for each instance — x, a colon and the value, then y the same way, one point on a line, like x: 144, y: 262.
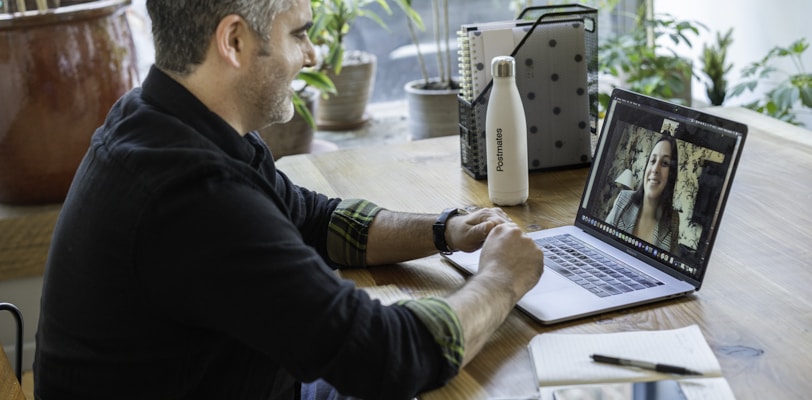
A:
x: 301, y: 108
x: 317, y: 29
x: 317, y: 80
x: 785, y: 97
x: 371, y: 15
x: 771, y: 108
x: 385, y: 6
x: 799, y: 46
x: 806, y: 96
x: 406, y: 7
x: 334, y: 58
x: 603, y: 100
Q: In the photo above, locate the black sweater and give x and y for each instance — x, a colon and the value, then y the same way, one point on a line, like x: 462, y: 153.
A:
x: 184, y: 265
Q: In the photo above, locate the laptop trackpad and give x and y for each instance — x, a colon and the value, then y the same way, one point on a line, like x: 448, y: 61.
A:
x: 552, y: 281
x: 544, y: 301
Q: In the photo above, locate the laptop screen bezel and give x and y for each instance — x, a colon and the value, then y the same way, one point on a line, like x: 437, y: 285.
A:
x: 705, y: 121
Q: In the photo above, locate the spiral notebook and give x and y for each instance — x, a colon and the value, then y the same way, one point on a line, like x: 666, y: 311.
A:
x: 480, y: 43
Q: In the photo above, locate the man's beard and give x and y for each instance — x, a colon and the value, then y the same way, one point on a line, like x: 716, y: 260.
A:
x: 271, y: 103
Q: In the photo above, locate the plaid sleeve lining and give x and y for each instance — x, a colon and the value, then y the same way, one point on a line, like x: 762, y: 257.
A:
x: 444, y: 325
x: 348, y: 232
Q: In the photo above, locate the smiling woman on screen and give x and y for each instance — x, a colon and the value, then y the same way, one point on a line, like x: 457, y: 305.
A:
x: 648, y: 212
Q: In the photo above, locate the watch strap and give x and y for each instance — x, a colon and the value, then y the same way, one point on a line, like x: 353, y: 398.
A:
x: 438, y: 229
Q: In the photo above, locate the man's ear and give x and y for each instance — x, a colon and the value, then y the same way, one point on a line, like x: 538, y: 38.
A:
x: 231, y: 39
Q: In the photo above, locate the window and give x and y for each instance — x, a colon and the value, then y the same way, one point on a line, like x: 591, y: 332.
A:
x: 396, y: 57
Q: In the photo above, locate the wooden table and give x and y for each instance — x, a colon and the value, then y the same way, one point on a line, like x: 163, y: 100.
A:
x: 9, y: 387
x: 755, y: 308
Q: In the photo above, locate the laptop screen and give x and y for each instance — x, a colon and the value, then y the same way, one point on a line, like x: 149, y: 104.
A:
x: 660, y: 180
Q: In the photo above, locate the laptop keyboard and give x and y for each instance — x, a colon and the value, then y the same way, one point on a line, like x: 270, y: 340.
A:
x: 591, y: 268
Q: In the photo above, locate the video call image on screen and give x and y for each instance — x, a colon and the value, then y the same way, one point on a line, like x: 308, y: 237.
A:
x: 692, y: 181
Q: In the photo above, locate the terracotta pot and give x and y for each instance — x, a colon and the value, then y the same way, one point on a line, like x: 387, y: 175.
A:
x: 62, y: 71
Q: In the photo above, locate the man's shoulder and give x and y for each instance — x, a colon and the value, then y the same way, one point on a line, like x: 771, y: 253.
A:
x: 134, y: 121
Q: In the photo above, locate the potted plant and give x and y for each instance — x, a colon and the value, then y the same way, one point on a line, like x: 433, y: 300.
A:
x: 433, y: 104
x: 352, y: 72
x: 791, y: 94
x: 643, y: 64
x: 716, y: 67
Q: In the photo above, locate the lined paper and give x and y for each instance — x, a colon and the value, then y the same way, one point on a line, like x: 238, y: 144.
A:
x: 564, y: 359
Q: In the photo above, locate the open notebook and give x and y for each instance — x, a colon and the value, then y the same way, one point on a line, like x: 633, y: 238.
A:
x: 609, y: 259
x: 563, y: 360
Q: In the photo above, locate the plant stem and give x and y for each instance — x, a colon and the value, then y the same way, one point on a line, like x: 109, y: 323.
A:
x: 447, y: 46
x: 649, y: 16
x: 420, y: 60
x: 440, y: 62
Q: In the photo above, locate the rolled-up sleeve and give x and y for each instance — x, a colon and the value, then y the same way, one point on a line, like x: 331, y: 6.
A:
x: 444, y: 325
x: 348, y: 232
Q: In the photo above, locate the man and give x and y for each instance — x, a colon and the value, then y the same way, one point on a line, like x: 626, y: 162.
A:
x: 185, y: 266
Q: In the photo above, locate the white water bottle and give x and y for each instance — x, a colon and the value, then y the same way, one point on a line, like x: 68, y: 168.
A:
x: 506, y: 136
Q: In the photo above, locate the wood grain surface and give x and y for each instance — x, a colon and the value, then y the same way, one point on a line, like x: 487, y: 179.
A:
x: 10, y: 389
x: 754, y: 309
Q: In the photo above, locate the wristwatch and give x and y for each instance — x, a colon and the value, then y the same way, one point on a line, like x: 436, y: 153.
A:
x: 438, y: 229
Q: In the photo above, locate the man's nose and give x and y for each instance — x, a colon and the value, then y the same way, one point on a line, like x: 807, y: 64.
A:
x: 310, y: 55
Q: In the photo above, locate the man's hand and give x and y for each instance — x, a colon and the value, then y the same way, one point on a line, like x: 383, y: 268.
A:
x: 512, y: 257
x: 467, y: 232
x: 509, y: 265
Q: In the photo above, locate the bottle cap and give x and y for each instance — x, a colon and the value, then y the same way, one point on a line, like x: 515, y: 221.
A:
x: 503, y: 66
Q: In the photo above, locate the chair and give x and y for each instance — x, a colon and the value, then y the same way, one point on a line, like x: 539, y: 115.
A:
x: 9, y: 388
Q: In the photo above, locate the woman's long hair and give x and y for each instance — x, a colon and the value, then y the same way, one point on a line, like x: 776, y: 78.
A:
x: 667, y: 196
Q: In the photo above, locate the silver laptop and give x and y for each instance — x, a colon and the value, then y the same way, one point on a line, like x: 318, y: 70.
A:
x: 622, y: 251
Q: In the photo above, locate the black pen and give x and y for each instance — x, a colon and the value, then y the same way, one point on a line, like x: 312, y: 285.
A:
x: 671, y: 369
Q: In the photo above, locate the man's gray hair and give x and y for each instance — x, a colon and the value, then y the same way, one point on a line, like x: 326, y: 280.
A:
x: 182, y: 29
